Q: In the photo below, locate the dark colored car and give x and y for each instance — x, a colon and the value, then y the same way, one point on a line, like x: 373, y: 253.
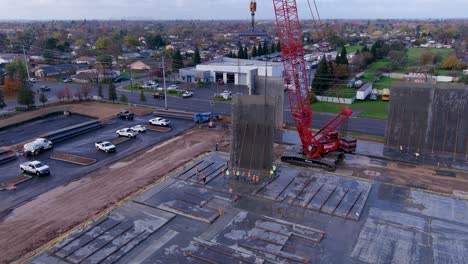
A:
x: 125, y: 115
x: 121, y: 79
x: 44, y: 88
x: 158, y: 95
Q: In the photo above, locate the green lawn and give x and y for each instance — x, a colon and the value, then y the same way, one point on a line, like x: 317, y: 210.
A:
x: 342, y: 92
x: 371, y: 109
x: 373, y: 70
x: 352, y: 49
x: 415, y: 53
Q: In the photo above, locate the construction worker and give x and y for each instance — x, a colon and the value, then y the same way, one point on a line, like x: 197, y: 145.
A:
x: 216, y: 147
x: 227, y: 174
x: 204, y: 178
x: 243, y: 176
x: 237, y: 175
x: 196, y: 171
x: 274, y: 168
x: 256, y: 179
x: 271, y: 174
x: 249, y: 176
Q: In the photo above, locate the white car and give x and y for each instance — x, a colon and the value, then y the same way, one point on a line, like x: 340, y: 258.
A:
x: 34, y: 167
x: 139, y: 128
x: 32, y: 80
x: 105, y: 146
x: 36, y: 146
x: 173, y: 87
x: 126, y: 132
x: 226, y: 95
x: 187, y: 94
x: 158, y: 121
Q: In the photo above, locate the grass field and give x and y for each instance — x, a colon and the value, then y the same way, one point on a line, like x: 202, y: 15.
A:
x: 372, y: 70
x: 415, y: 53
x: 342, y: 92
x: 352, y: 49
x: 371, y: 109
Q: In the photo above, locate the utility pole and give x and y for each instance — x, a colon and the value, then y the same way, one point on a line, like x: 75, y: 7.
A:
x: 164, y: 81
x: 131, y: 79
x: 26, y: 62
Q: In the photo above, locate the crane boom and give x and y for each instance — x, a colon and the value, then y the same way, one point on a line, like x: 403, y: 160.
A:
x: 326, y: 140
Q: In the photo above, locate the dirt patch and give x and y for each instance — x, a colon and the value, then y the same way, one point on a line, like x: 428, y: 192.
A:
x: 11, y: 184
x: 83, y: 161
x: 53, y: 213
x: 120, y: 140
x: 159, y: 129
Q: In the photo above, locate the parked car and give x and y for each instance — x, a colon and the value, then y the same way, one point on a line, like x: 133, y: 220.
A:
x: 127, y: 132
x: 105, y: 146
x: 121, y: 79
x: 96, y: 98
x: 187, y: 94
x: 158, y: 95
x: 139, y: 128
x: 159, y: 121
x: 35, y: 167
x: 67, y: 80
x: 126, y: 115
x: 32, y: 80
x: 226, y: 95
x: 36, y: 146
x: 45, y: 88
x: 173, y: 87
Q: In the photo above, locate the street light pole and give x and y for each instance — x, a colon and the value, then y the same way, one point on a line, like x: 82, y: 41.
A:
x: 164, y: 81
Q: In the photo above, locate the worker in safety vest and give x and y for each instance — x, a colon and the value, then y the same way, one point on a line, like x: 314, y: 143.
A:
x: 196, y: 171
x: 237, y: 175
x: 271, y: 173
x: 227, y: 174
x: 274, y: 168
x: 203, y: 178
x: 249, y: 176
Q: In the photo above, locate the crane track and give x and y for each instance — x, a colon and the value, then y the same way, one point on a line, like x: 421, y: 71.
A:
x: 301, y: 160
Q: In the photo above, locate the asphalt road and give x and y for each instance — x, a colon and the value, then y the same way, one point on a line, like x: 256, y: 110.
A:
x: 63, y: 172
x: 200, y: 102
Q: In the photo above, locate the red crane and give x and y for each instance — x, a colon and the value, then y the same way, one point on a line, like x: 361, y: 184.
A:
x: 326, y: 140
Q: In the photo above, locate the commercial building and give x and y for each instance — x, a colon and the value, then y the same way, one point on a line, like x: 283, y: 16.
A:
x: 231, y: 71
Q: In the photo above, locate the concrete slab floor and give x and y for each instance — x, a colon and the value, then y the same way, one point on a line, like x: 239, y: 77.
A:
x: 303, y: 216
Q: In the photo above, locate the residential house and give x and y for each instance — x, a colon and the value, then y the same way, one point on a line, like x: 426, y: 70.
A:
x: 55, y: 71
x: 85, y: 60
x: 139, y: 66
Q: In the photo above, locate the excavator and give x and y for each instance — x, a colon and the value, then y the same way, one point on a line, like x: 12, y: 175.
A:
x: 323, y: 148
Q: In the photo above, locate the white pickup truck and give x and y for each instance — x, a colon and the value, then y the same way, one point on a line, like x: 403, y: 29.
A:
x: 34, y: 167
x: 36, y: 146
x: 105, y: 146
x: 158, y: 121
x: 126, y: 132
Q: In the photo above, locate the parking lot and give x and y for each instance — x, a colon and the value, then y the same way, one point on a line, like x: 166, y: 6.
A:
x: 83, y: 145
x: 33, y: 129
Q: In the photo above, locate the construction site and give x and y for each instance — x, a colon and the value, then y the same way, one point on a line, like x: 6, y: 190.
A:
x: 245, y: 189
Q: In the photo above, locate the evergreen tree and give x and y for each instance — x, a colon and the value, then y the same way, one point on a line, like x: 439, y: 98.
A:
x: 254, y: 52
x: 196, y: 56
x: 278, y: 47
x: 265, y: 48
x: 260, y: 50
x: 2, y: 100
x: 272, y: 48
x: 100, y: 94
x: 365, y: 49
x: 25, y: 95
x: 142, y: 96
x: 338, y: 59
x: 321, y: 81
x: 358, y: 51
x: 42, y: 98
x: 123, y: 98
x: 112, y: 92
x: 343, y: 58
x: 177, y: 61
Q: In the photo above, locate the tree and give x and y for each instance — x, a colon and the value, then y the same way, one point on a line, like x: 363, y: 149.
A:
x: 196, y: 57
x: 100, y: 94
x: 42, y: 98
x: 112, y: 92
x: 272, y: 48
x: 66, y: 93
x: 2, y: 100
x: 142, y: 96
x: 102, y: 43
x: 464, y: 79
x: 260, y: 50
x: 254, y: 51
x: 322, y: 78
x: 177, y: 61
x: 85, y: 91
x: 342, y: 71
x: 450, y: 63
x: 278, y: 47
x: 131, y: 41
x: 398, y: 59
x: 10, y: 86
x: 265, y: 48
x: 123, y: 98
x: 425, y: 58
x: 155, y: 41
x: 343, y: 57
x: 25, y: 95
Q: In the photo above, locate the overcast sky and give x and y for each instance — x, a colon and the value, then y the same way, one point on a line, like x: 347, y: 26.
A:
x: 224, y: 9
